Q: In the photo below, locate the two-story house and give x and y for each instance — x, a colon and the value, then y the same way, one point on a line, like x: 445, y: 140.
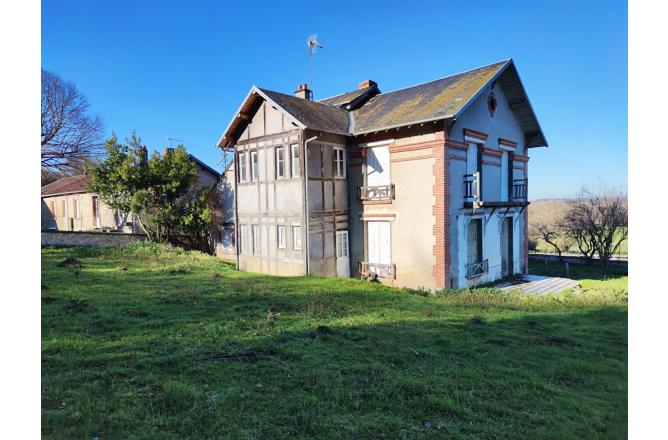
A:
x: 424, y: 186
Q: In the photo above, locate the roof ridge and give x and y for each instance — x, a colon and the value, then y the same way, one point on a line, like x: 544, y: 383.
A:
x: 449, y: 76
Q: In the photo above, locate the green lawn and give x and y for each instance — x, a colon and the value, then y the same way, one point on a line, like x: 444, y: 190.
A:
x: 144, y: 342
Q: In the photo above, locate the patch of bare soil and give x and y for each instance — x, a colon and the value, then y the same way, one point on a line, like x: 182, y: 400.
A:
x: 71, y: 263
x: 242, y: 356
x: 76, y: 306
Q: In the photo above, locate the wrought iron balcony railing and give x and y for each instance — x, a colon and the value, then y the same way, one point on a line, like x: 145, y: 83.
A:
x: 383, y: 192
x: 520, y: 187
x: 472, y: 187
x: 476, y: 269
x: 381, y: 270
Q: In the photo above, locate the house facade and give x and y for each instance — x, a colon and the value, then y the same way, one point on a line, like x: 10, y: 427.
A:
x: 422, y: 187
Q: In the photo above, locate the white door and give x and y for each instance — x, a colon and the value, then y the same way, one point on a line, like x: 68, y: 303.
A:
x: 342, y: 258
x: 378, y: 234
x: 378, y: 166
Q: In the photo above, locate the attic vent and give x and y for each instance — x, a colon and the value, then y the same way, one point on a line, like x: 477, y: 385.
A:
x: 491, y: 104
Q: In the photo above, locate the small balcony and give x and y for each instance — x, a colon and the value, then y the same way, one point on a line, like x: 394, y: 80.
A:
x: 472, y: 188
x: 376, y: 193
x: 520, y: 190
x: 474, y: 270
x: 381, y: 270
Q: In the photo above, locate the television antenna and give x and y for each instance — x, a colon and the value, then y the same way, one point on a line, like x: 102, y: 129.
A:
x: 313, y: 46
x: 172, y: 140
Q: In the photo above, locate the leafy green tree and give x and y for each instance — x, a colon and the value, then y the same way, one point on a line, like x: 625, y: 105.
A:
x: 158, y: 190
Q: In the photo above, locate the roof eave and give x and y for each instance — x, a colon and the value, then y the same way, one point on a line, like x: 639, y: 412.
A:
x: 258, y: 91
x: 397, y: 126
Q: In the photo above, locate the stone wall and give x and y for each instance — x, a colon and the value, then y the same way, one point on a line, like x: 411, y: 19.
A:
x: 64, y: 238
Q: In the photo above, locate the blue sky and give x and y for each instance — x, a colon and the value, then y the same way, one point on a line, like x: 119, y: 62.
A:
x: 181, y: 69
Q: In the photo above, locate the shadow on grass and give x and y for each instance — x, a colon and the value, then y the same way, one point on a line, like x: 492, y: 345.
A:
x: 531, y: 376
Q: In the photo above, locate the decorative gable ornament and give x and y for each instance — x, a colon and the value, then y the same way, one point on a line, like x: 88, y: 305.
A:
x: 491, y: 104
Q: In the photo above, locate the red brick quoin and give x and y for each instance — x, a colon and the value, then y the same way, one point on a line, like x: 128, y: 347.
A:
x: 441, y: 228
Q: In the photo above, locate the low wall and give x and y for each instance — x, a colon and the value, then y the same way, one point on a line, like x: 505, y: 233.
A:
x: 65, y: 238
x: 571, y: 259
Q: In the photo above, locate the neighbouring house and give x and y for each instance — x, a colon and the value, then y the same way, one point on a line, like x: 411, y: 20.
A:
x: 224, y: 215
x: 68, y: 205
x: 425, y: 186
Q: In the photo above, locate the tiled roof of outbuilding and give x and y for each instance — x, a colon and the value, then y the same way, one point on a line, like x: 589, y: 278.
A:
x: 67, y: 185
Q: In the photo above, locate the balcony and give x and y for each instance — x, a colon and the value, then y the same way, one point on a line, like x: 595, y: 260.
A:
x: 472, y: 188
x: 381, y: 270
x: 520, y: 187
x: 473, y: 194
x: 376, y: 193
x: 474, y: 270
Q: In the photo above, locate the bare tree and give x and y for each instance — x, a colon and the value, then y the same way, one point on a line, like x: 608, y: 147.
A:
x: 598, y: 222
x: 70, y: 136
x: 553, y: 234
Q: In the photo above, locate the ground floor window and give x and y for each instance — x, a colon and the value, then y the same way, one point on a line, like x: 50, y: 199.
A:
x: 342, y: 244
x: 475, y: 263
x: 280, y: 236
x: 256, y: 239
x: 297, y: 238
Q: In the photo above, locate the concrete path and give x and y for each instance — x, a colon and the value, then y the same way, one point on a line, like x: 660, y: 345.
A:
x: 540, y: 285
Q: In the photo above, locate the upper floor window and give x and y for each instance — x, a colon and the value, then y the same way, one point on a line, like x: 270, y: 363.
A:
x: 280, y: 162
x: 339, y: 162
x: 242, y: 167
x: 294, y: 155
x: 254, y: 168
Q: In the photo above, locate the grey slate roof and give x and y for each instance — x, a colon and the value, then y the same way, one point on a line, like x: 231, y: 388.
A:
x: 434, y: 100
x: 430, y: 101
x: 313, y: 114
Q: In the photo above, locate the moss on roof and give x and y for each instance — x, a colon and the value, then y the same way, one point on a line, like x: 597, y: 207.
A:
x: 429, y: 101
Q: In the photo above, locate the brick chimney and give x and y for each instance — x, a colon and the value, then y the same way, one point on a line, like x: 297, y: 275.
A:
x: 366, y: 83
x: 167, y: 151
x: 303, y: 92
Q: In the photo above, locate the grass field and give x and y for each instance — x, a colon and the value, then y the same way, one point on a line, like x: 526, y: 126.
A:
x: 147, y: 342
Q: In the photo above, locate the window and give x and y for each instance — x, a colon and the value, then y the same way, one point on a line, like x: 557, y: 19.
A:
x: 254, y: 170
x: 294, y: 155
x: 342, y: 244
x: 242, y: 167
x: 280, y: 236
x: 256, y: 239
x: 53, y: 207
x: 96, y: 210
x: 64, y: 206
x: 339, y: 162
x: 280, y: 162
x: 227, y: 238
x: 243, y: 238
x: 474, y: 241
x: 77, y: 209
x: 297, y: 238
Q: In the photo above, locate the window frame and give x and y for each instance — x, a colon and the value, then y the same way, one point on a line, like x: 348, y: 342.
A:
x: 281, y: 150
x: 254, y: 166
x: 243, y: 171
x: 256, y: 239
x: 342, y: 237
x: 297, y: 237
x: 243, y: 237
x: 339, y: 161
x: 281, y: 242
x: 295, y: 171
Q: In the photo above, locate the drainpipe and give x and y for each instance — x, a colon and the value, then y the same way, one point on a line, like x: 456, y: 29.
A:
x: 306, y: 217
x: 236, y: 205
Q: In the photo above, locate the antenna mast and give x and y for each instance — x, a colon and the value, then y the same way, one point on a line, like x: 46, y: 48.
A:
x: 313, y: 46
